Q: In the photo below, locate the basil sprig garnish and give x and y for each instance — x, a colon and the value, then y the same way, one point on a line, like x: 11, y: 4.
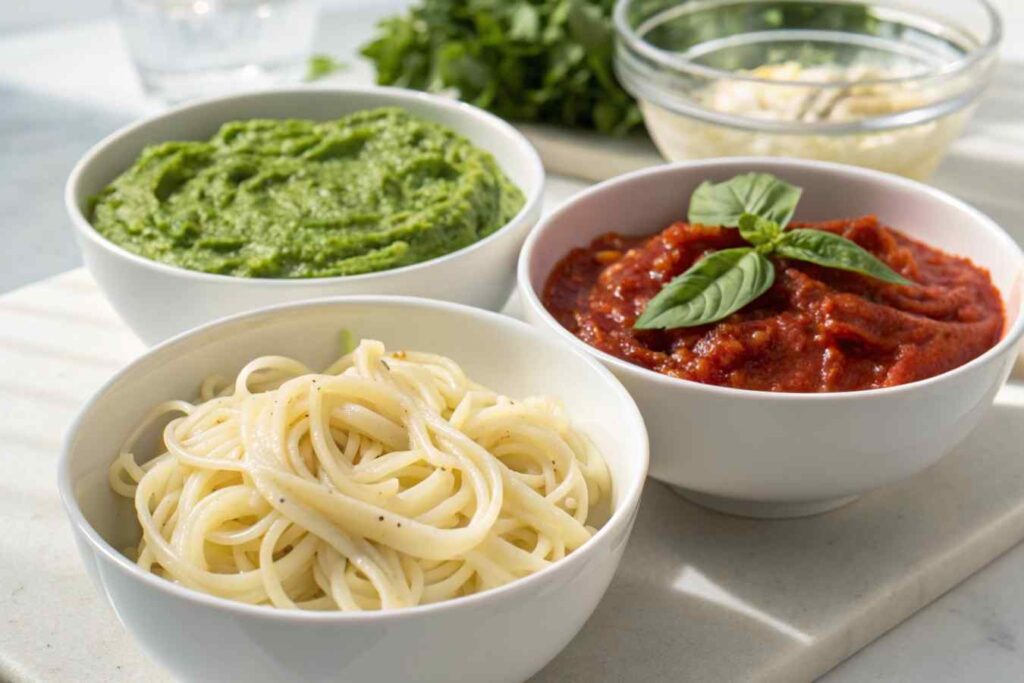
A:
x: 722, y: 282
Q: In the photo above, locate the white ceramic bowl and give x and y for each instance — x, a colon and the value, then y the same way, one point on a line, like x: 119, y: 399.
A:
x: 787, y: 454
x: 501, y: 635
x: 158, y: 300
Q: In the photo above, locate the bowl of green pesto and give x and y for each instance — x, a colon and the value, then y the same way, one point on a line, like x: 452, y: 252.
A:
x: 234, y: 203
x: 295, y: 198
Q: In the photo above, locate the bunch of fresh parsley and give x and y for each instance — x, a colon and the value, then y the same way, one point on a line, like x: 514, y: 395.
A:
x: 525, y: 60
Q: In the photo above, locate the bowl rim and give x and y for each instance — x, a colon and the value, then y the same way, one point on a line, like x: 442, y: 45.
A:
x: 634, y: 41
x: 621, y: 518
x: 1011, y: 333
x: 526, y: 214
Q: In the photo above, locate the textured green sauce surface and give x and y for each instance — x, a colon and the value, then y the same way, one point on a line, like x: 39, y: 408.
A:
x: 375, y: 190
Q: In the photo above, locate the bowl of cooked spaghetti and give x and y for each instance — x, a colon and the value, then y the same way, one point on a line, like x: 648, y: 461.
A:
x: 360, y: 488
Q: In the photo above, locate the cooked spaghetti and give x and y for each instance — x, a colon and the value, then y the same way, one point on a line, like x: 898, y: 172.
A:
x: 389, y: 480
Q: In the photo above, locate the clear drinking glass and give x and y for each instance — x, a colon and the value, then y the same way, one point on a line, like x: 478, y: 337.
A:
x: 191, y: 48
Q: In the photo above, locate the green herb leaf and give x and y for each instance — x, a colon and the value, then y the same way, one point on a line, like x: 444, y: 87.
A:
x: 322, y: 66
x: 761, y: 194
x: 589, y: 27
x: 525, y: 22
x: 757, y: 230
x: 833, y: 251
x: 713, y: 288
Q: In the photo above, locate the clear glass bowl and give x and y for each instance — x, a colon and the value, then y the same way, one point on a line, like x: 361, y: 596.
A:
x: 886, y: 84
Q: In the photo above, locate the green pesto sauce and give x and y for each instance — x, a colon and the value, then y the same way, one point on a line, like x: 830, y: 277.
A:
x: 295, y: 199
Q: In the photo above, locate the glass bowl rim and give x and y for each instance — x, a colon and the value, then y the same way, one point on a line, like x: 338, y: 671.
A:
x: 636, y: 43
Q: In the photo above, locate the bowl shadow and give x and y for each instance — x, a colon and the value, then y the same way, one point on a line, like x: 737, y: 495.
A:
x: 703, y: 596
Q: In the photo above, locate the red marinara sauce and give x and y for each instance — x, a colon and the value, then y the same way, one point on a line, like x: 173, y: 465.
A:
x: 815, y: 330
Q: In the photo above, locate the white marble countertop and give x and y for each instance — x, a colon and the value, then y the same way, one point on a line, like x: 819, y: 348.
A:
x: 64, y: 85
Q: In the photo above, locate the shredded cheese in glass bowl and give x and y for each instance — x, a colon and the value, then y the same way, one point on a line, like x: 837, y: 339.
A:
x: 883, y: 85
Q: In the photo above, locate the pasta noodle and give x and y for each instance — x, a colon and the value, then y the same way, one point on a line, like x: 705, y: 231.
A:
x: 387, y: 481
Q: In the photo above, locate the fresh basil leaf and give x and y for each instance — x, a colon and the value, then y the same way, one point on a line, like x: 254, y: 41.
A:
x: 761, y: 194
x: 757, y: 230
x: 713, y: 288
x: 833, y: 251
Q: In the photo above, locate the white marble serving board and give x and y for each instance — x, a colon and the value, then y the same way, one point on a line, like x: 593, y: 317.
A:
x: 699, y: 596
